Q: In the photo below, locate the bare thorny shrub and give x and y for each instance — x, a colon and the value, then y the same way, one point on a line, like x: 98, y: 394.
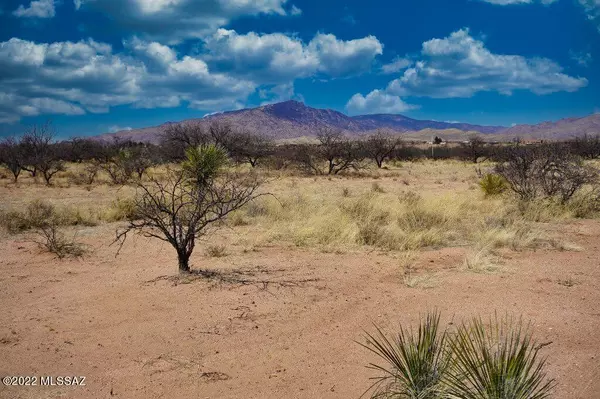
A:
x: 186, y: 206
x: 55, y: 241
x: 333, y: 154
x: 120, y: 168
x: 43, y: 219
x: 548, y: 171
x: 87, y: 175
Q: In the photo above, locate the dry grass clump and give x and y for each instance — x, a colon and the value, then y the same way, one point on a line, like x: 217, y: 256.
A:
x: 376, y: 187
x: 238, y: 219
x: 45, y: 221
x: 585, y: 204
x: 34, y: 215
x: 423, y: 281
x: 481, y: 260
x: 120, y: 209
x: 391, y: 221
x: 216, y: 251
x: 37, y: 213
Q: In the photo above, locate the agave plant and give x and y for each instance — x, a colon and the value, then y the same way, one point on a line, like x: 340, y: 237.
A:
x: 498, y: 360
x: 202, y: 163
x: 416, y: 363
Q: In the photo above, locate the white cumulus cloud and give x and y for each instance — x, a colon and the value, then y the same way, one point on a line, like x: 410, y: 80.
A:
x: 460, y: 66
x: 75, y: 77
x: 277, y: 58
x: 172, y: 21
x: 36, y: 9
x: 398, y: 64
x: 377, y: 102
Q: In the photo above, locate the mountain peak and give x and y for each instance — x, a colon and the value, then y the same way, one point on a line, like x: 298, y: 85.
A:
x: 292, y: 119
x: 285, y: 106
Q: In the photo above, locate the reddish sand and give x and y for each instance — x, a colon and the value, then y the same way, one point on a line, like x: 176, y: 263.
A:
x: 134, y: 334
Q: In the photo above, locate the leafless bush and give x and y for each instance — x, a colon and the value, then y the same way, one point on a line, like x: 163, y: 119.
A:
x: 474, y: 149
x: 90, y: 171
x: 308, y: 158
x: 121, y: 167
x: 87, y: 175
x: 179, y: 211
x: 339, y: 152
x: 332, y: 155
x: 381, y: 146
x: 564, y: 177
x: 43, y: 219
x: 177, y: 137
x: 39, y: 154
x: 546, y: 170
x: 53, y: 240
x: 12, y: 156
x: 221, y: 134
x: 586, y: 146
x: 250, y: 147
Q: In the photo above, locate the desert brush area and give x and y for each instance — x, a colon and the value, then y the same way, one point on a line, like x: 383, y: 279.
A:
x: 285, y: 295
x: 299, y: 199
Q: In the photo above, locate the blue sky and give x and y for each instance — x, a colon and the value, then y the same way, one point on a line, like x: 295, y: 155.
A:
x: 92, y: 66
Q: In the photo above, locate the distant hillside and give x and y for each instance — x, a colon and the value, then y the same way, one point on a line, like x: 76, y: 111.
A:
x: 560, y: 130
x: 293, y: 119
x: 403, y: 123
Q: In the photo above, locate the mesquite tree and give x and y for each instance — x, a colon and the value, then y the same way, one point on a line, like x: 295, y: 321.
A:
x: 474, y: 149
x: 381, y: 146
x: 188, y: 203
x: 11, y: 155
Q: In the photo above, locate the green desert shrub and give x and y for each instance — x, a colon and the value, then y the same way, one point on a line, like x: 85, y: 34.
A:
x: 416, y: 363
x: 495, y: 360
x: 35, y: 214
x: 493, y: 184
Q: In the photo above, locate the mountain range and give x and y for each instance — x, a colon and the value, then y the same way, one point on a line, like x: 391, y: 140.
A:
x: 293, y: 119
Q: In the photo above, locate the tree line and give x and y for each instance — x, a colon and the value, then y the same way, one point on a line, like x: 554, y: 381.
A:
x: 39, y: 153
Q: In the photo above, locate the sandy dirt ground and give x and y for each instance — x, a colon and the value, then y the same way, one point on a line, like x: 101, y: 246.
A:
x: 289, y: 331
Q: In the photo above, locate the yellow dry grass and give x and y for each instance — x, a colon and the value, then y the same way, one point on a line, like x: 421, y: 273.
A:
x: 404, y: 207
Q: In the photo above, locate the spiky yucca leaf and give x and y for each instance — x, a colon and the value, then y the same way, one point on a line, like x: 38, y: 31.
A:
x: 202, y: 163
x: 496, y: 361
x: 415, y: 363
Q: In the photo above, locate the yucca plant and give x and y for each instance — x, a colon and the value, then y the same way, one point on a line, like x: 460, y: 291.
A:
x: 498, y: 360
x: 202, y: 163
x: 415, y: 363
x: 493, y: 184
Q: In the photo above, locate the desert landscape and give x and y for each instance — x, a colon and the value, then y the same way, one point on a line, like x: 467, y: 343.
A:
x: 283, y: 290
x: 277, y: 199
